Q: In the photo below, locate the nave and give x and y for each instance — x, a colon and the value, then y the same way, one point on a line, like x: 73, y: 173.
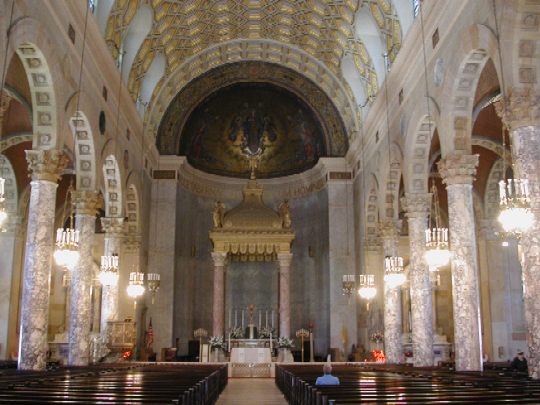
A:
x: 201, y: 384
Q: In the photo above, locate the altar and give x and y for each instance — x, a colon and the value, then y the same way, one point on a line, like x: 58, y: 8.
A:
x: 237, y: 343
x: 251, y: 355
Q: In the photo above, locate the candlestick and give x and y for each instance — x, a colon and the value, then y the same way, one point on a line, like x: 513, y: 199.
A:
x: 230, y: 316
x: 272, y: 319
x: 229, y: 346
x: 235, y: 319
x: 270, y: 342
x: 266, y: 322
x: 242, y: 319
x: 259, y: 319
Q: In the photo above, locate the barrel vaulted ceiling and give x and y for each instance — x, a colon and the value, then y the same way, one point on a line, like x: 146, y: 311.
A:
x: 154, y: 39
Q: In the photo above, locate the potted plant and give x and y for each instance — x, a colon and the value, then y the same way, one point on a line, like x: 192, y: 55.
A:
x: 216, y: 344
x: 284, y: 345
x: 266, y: 332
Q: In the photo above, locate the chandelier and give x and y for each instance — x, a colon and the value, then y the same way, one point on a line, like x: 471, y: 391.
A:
x: 394, y: 274
x: 3, y: 211
x: 66, y: 253
x: 135, y: 286
x: 515, y: 215
x: 367, y: 289
x: 108, y: 275
x: 348, y: 285
x: 437, y: 253
x: 153, y: 281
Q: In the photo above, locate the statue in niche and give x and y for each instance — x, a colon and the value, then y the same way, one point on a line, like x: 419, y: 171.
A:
x: 285, y: 214
x: 217, y: 215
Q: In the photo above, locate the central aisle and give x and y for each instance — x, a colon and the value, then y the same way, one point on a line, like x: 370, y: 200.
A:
x: 250, y: 391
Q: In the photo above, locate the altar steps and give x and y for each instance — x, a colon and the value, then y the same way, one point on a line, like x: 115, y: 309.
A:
x: 250, y: 391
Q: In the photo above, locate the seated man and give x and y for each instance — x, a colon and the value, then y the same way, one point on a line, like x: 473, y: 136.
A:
x: 327, y: 378
x: 520, y: 363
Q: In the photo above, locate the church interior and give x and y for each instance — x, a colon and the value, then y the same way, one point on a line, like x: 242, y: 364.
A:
x: 205, y: 193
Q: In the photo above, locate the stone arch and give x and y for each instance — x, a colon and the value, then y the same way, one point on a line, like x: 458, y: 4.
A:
x: 491, y: 197
x: 113, y: 187
x: 44, y: 115
x: 372, y: 212
x: 85, y: 156
x: 132, y: 209
x: 477, y: 45
x: 10, y: 185
x: 390, y: 190
x: 416, y: 162
x: 524, y: 44
x: 491, y: 145
x: 265, y: 50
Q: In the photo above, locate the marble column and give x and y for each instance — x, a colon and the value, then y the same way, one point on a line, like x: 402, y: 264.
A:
x: 8, y: 244
x: 114, y: 229
x: 218, y: 308
x: 520, y: 113
x: 45, y: 167
x: 80, y: 312
x: 417, y: 207
x: 284, y: 260
x: 393, y: 345
x: 457, y: 171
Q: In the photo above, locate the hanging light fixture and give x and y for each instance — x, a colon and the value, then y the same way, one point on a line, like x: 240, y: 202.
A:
x: 515, y: 214
x: 66, y: 253
x: 153, y: 280
x: 437, y: 253
x: 135, y: 286
x: 367, y: 289
x: 108, y: 275
x: 3, y: 209
x: 348, y: 285
x: 394, y: 274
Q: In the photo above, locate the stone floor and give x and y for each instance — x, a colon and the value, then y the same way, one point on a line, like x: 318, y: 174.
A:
x: 250, y: 391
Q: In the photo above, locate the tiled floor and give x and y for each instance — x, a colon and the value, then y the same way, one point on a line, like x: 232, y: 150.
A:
x: 251, y: 391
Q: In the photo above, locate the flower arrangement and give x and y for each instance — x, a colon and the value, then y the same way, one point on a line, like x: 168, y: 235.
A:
x: 376, y: 337
x: 237, y: 333
x: 216, y: 342
x: 265, y: 332
x: 284, y: 342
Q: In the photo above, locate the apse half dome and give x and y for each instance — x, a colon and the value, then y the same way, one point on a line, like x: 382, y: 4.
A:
x: 252, y: 115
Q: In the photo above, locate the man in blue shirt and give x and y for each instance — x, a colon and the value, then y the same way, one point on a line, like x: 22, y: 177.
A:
x: 327, y: 378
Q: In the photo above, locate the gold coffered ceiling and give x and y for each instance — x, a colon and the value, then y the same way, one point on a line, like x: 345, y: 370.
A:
x: 324, y: 29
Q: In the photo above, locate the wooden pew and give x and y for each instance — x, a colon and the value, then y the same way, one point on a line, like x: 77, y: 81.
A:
x: 401, y: 384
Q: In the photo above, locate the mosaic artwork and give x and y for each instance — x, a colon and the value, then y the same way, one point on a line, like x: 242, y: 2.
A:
x: 248, y: 117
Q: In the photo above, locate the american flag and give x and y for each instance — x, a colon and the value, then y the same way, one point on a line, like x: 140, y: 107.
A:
x: 149, y: 339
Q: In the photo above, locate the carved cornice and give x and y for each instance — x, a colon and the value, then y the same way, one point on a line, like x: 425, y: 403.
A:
x: 416, y: 204
x: 87, y: 202
x: 520, y: 108
x: 46, y: 165
x: 458, y: 168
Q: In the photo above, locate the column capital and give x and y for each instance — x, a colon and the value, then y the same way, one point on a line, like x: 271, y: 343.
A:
x: 284, y: 259
x: 87, y: 202
x: 390, y: 228
x: 519, y: 109
x: 458, y: 168
x: 416, y: 205
x: 113, y: 225
x: 219, y: 258
x: 46, y: 165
